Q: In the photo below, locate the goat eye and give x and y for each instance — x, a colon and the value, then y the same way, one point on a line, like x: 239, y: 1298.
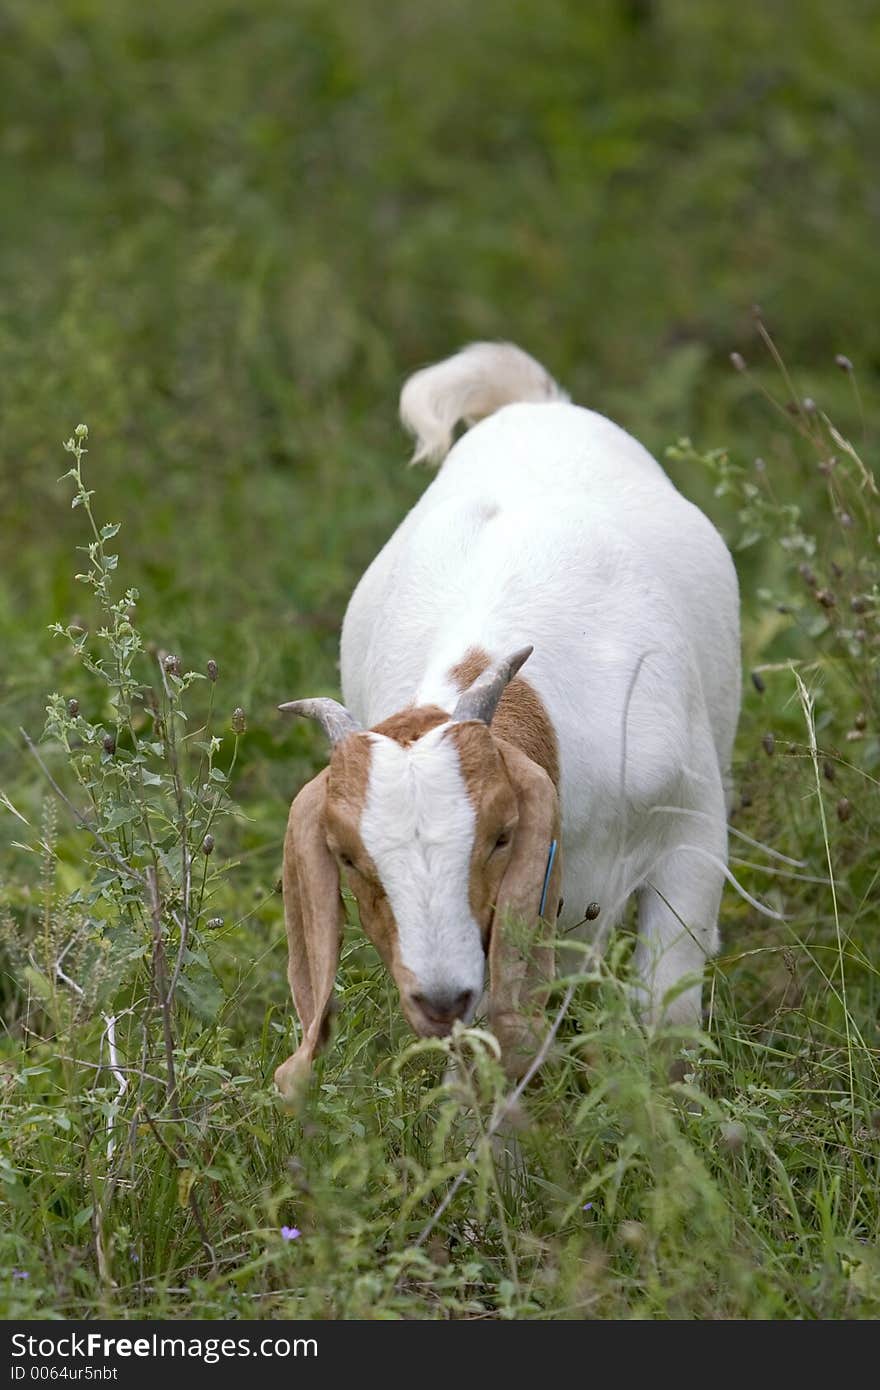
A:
x: 346, y: 861
x: 502, y: 840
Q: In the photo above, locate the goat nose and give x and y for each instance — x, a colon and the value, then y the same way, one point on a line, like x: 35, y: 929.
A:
x: 444, y: 1006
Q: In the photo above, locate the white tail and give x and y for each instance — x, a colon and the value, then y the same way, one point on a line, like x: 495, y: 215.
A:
x: 469, y: 386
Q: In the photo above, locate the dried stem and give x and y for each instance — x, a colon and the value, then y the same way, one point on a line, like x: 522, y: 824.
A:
x: 161, y: 980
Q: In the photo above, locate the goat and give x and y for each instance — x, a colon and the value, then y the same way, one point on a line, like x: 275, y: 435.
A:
x: 551, y: 535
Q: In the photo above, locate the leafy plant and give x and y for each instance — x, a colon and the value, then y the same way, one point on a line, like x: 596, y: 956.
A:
x: 131, y: 938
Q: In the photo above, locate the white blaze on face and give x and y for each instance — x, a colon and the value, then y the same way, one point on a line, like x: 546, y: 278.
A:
x: 418, y: 828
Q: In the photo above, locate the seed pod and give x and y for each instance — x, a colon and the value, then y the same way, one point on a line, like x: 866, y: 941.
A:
x: 737, y: 361
x: 844, y: 809
x: 843, y: 362
x: 82, y: 431
x: 109, y: 744
x: 214, y: 923
x: 758, y: 682
x: 208, y: 844
x: 73, y: 708
x: 172, y: 665
x: 861, y: 720
x: 212, y: 670
x: 239, y: 720
x: 826, y: 598
x: 591, y: 911
x: 768, y: 743
x: 809, y: 405
x: 829, y: 771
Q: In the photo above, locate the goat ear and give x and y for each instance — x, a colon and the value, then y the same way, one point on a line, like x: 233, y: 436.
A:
x: 521, y: 959
x: 313, y: 915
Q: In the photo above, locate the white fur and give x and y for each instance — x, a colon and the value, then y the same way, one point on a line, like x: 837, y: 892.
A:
x: 417, y: 825
x: 548, y: 524
x: 469, y: 386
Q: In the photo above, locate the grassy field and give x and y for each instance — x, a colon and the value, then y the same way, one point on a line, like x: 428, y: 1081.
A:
x: 228, y: 234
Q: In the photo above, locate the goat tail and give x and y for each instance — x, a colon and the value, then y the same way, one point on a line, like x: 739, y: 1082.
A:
x: 476, y: 382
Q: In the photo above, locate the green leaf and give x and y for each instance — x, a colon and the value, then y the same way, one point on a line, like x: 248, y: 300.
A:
x: 122, y: 815
x: 38, y: 982
x: 202, y: 992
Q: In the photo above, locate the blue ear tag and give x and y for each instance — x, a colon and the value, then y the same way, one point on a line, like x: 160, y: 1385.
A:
x: 550, y: 861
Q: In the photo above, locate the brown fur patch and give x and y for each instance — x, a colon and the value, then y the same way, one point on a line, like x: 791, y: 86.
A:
x: 517, y: 817
x: 409, y: 725
x: 474, y: 662
x: 349, y: 773
x: 494, y: 802
x: 520, y: 718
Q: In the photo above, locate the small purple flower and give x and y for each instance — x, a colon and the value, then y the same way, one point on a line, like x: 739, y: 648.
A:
x: 20, y: 1274
x: 588, y: 1206
x: 290, y: 1233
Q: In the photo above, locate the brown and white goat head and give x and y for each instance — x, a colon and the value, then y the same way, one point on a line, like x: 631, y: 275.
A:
x: 442, y: 829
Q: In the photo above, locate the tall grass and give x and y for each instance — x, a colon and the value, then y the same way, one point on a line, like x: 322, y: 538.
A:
x: 147, y: 1168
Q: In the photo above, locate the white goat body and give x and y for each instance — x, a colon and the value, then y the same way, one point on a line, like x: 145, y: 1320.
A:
x: 549, y: 525
x: 548, y: 534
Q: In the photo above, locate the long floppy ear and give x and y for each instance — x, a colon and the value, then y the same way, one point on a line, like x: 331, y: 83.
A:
x: 521, y: 959
x: 313, y: 915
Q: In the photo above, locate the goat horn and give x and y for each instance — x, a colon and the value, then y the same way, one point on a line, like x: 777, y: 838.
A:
x: 333, y: 718
x: 480, y: 700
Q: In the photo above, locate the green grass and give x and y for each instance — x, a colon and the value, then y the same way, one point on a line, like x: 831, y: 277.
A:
x: 229, y: 231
